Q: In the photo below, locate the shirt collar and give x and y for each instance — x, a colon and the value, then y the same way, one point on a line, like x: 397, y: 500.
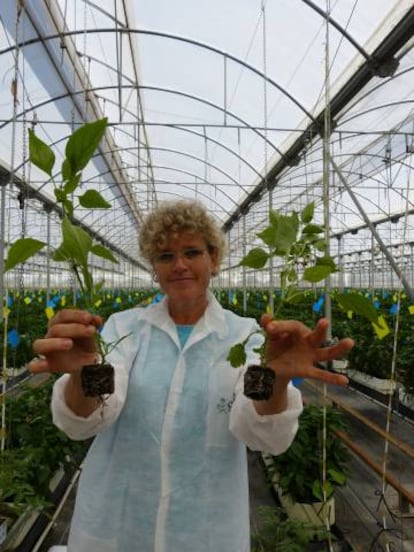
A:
x: 213, y: 319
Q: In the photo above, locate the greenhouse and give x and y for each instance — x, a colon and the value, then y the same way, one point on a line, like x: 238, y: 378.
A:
x: 290, y: 123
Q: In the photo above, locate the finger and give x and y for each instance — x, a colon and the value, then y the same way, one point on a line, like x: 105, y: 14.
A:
x: 71, y: 330
x: 38, y: 365
x: 51, y: 345
x: 265, y: 319
x: 291, y: 327
x: 66, y: 316
x: 318, y: 334
x: 328, y: 377
x: 335, y: 351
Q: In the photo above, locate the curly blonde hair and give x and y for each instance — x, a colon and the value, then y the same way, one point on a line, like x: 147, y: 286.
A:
x: 171, y: 218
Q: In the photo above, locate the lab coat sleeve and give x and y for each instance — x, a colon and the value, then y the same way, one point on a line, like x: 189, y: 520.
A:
x: 272, y: 433
x: 78, y: 427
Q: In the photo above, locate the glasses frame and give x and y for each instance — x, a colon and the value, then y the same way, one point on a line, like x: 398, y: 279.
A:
x: 189, y: 254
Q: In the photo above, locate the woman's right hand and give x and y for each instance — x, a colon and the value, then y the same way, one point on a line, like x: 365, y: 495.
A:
x: 68, y: 344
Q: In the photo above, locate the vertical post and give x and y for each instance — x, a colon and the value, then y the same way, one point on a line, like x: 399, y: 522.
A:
x: 244, y: 268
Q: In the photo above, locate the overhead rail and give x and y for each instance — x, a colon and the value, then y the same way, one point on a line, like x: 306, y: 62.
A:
x: 49, y: 205
x: 67, y: 75
x: 386, y: 51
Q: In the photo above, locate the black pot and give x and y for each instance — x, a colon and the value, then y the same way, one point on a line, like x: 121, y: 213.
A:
x: 97, y: 380
x: 258, y: 382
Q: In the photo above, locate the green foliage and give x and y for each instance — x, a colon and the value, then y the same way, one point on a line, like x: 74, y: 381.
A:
x: 280, y: 534
x: 299, y: 468
x: 35, y: 450
x: 297, y: 241
x: 76, y: 243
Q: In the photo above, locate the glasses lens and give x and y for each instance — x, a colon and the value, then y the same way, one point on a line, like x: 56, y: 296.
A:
x: 192, y: 253
x: 166, y: 257
x: 169, y: 257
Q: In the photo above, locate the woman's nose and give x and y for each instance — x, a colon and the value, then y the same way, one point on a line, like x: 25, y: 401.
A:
x: 179, y: 262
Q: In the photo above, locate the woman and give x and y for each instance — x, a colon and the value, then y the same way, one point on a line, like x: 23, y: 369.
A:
x: 167, y: 471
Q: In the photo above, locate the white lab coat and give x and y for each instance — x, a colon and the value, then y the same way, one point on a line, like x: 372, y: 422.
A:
x: 167, y: 471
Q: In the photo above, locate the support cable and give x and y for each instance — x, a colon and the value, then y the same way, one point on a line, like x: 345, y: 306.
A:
x: 326, y: 142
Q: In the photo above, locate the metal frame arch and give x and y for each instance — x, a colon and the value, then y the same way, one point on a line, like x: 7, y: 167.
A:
x: 170, y: 36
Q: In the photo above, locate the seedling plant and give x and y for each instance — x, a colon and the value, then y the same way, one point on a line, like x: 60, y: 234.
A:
x: 77, y: 244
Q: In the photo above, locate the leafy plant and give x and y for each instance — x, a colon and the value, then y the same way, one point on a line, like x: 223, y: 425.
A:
x: 35, y: 450
x: 299, y: 243
x: 280, y: 534
x: 299, y: 468
x: 77, y: 244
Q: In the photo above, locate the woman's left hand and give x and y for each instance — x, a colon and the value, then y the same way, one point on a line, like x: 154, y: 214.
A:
x: 293, y: 350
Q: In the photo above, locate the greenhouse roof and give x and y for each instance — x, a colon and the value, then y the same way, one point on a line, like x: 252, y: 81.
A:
x: 246, y: 105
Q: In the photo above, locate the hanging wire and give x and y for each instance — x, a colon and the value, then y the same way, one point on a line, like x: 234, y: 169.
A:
x: 382, y: 503
x: 5, y: 298
x: 326, y: 143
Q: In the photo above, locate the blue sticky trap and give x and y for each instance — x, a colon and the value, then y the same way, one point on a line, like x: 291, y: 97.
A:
x: 9, y: 301
x: 377, y: 304
x: 157, y: 298
x: 394, y: 308
x: 297, y: 381
x: 13, y: 338
x: 317, y: 306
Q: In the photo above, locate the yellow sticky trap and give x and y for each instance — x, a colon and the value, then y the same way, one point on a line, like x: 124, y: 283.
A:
x: 268, y: 309
x: 27, y: 300
x: 395, y: 297
x: 118, y: 300
x: 381, y: 329
x: 63, y: 300
x: 98, y: 303
x: 234, y: 300
x: 350, y: 314
x: 49, y: 312
x: 6, y: 312
x: 403, y: 295
x: 411, y: 309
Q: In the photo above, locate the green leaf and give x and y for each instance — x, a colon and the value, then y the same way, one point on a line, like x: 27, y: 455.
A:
x: 358, y: 304
x: 66, y: 171
x: 268, y: 235
x: 337, y: 476
x: 61, y: 254
x: 286, y: 231
x: 307, y: 214
x: 71, y: 184
x: 256, y: 258
x: 237, y: 355
x: 312, y: 229
x: 320, y: 245
x: 326, y: 261
x: 294, y: 296
x: 76, y: 242
x: 40, y: 154
x: 317, y: 273
x: 21, y: 250
x: 93, y: 200
x: 82, y: 144
x: 105, y: 253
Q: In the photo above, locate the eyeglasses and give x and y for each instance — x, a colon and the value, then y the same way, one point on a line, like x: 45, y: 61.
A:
x: 190, y: 254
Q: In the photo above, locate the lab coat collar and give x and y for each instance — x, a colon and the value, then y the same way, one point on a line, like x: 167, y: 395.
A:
x: 213, y: 319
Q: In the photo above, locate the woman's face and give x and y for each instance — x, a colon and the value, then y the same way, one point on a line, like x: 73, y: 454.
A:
x: 184, y: 268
